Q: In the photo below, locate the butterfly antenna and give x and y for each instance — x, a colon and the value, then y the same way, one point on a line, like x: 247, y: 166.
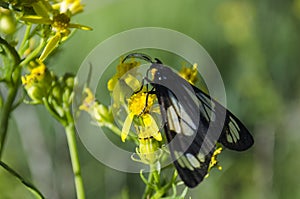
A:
x: 157, y: 61
x: 138, y: 56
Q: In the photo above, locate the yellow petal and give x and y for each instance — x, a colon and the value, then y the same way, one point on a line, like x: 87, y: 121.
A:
x: 157, y: 136
x: 155, y: 130
x: 126, y: 127
x: 79, y: 26
x: 42, y: 8
x: 132, y: 82
x: 51, y: 45
x: 24, y: 80
x: 147, y: 119
x: 111, y: 84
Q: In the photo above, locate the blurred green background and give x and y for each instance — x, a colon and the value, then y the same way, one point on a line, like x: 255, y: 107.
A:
x: 255, y: 45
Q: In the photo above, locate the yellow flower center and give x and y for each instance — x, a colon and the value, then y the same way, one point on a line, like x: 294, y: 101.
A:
x: 36, y: 75
x: 140, y: 103
x: 189, y: 74
x: 61, y: 22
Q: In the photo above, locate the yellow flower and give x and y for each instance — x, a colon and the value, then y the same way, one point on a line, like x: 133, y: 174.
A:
x: 36, y: 75
x: 189, y: 74
x: 214, y: 162
x: 98, y: 112
x: 59, y: 21
x: 139, y: 106
x: 88, y: 102
x: 122, y: 68
x: 38, y: 82
x: 73, y: 6
x: 140, y: 103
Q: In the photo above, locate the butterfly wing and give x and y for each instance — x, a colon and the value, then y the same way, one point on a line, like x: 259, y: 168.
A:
x: 193, y: 124
x: 234, y: 135
x: 191, y: 158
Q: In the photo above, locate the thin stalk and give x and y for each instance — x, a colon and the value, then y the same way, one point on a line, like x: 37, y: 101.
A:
x: 161, y: 191
x: 34, y: 53
x: 148, y: 187
x: 117, y: 131
x: 4, y: 116
x: 71, y: 138
x: 12, y: 92
x: 11, y: 50
x: 25, y: 39
x: 53, y: 112
x: 153, y: 182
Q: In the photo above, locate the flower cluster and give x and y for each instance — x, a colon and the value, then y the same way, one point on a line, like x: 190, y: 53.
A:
x: 58, y: 17
x: 52, y: 21
x: 214, y: 162
x: 37, y: 82
x: 29, y: 31
x: 43, y: 87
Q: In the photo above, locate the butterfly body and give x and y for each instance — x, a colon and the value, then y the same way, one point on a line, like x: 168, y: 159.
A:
x: 194, y: 123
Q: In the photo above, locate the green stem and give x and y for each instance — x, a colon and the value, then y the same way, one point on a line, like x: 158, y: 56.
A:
x: 54, y: 113
x: 148, y: 187
x: 11, y: 50
x: 34, y: 53
x: 4, y: 116
x: 1, y: 100
x: 30, y: 186
x: 25, y: 40
x: 71, y: 138
x: 153, y: 182
x: 158, y: 194
x: 112, y: 127
x: 12, y: 92
x: 117, y: 131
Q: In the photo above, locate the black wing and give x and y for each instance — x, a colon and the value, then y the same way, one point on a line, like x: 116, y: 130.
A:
x: 191, y: 157
x: 185, y: 129
x: 235, y: 135
x: 193, y: 124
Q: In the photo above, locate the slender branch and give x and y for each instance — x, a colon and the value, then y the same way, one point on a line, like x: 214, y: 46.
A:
x: 25, y: 39
x: 148, y: 188
x: 12, y: 92
x: 11, y: 50
x: 1, y: 100
x: 4, y: 116
x: 117, y: 131
x: 34, y: 53
x: 30, y: 186
x: 71, y: 138
x: 161, y: 191
x: 53, y: 112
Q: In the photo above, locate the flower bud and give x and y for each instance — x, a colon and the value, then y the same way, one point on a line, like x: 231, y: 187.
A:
x: 7, y: 23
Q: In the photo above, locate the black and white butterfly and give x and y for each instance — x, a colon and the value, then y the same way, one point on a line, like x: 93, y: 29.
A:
x: 193, y: 122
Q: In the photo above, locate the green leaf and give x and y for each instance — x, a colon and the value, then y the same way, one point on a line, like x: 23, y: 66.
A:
x: 27, y: 184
